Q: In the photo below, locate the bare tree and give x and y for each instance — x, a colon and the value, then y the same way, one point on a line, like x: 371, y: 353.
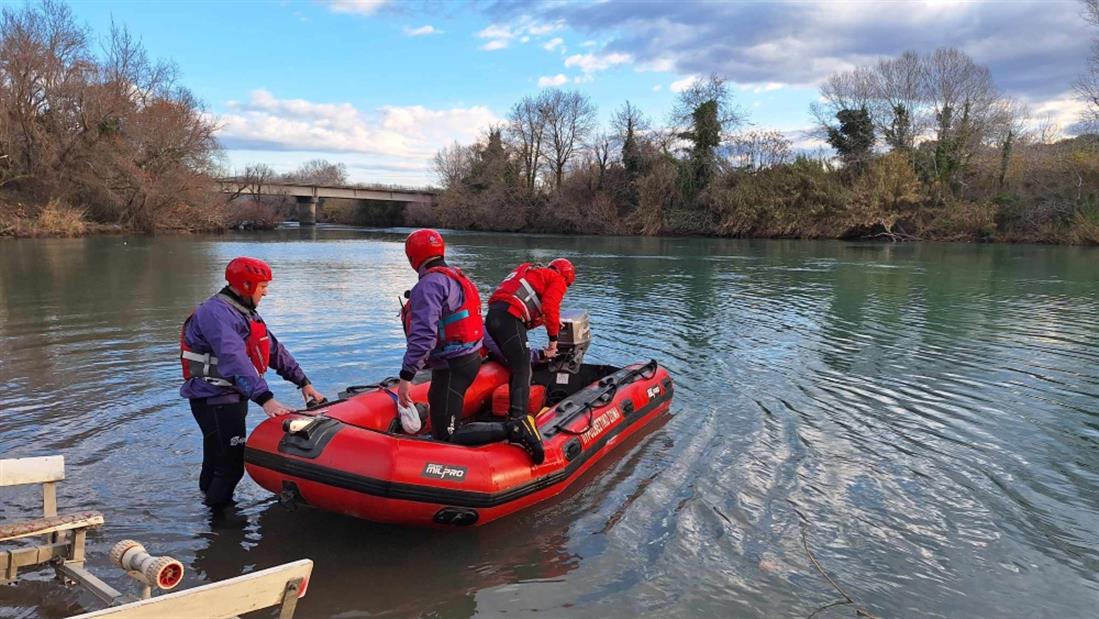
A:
x: 601, y: 148
x: 944, y: 97
x: 1087, y: 85
x: 526, y: 130
x: 712, y: 88
x: 629, y: 120
x: 569, y: 118
x: 452, y: 164
x: 255, y: 176
x: 850, y: 90
x: 899, y: 96
x: 116, y: 135
x: 44, y: 64
x: 319, y: 172
x: 966, y: 107
x: 756, y: 150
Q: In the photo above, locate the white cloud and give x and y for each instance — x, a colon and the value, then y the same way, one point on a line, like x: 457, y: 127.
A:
x: 421, y: 31
x: 543, y: 29
x: 665, y: 65
x: 760, y: 88
x: 1032, y: 48
x: 657, y: 88
x: 588, y: 44
x: 591, y: 63
x: 1061, y: 112
x: 555, y: 80
x: 553, y: 44
x: 523, y: 30
x: 683, y: 84
x: 360, y: 7
x: 496, y: 32
x: 499, y: 37
x: 407, y: 136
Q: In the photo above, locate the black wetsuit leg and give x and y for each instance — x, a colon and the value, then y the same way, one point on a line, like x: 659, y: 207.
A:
x: 511, y: 336
x: 479, y: 433
x: 223, y: 436
x: 448, y: 391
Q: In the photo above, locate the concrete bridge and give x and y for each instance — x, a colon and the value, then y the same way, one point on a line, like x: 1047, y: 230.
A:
x: 308, y: 196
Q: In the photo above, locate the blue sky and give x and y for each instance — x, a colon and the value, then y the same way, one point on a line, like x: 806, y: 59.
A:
x: 381, y: 85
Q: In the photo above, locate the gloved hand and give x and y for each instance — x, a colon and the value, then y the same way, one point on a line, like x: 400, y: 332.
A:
x: 274, y: 408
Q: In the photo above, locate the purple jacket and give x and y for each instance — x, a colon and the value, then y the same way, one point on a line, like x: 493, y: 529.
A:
x: 220, y: 328
x: 433, y: 297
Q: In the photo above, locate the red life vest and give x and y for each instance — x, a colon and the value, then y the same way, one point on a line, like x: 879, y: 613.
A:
x: 519, y: 294
x: 204, y: 365
x: 462, y: 329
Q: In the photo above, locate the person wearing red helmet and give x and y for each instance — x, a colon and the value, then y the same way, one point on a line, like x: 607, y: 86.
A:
x: 530, y: 296
x: 225, y: 349
x: 444, y: 330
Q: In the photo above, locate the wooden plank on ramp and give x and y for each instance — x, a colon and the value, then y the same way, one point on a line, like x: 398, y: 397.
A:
x: 42, y: 526
x: 19, y: 471
x: 227, y: 598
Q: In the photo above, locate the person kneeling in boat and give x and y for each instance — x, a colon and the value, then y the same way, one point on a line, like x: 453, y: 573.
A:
x: 225, y: 348
x: 444, y: 329
x: 529, y: 296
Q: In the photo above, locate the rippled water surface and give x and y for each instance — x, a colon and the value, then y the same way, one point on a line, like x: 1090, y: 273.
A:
x: 919, y: 421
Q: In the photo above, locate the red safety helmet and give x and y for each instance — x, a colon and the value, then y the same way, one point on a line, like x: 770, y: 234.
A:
x: 244, y: 273
x: 423, y: 244
x: 565, y: 268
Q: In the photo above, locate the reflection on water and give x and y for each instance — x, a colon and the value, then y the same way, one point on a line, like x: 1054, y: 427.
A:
x: 931, y: 410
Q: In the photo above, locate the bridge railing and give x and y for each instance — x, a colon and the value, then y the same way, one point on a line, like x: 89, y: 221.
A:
x: 243, y: 181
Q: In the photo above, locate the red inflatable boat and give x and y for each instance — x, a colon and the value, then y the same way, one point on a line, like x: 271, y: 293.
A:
x: 351, y: 456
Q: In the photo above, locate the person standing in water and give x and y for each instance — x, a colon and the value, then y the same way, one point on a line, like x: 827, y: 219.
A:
x: 225, y: 349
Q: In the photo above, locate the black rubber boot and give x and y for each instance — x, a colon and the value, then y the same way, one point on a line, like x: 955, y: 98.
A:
x: 524, y: 432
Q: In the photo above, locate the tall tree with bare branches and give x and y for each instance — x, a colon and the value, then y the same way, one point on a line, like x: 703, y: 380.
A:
x: 568, y: 117
x: 526, y: 129
x: 1087, y: 85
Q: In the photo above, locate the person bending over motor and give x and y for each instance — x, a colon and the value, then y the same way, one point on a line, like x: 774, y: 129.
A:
x: 225, y: 348
x: 444, y: 329
x: 529, y: 296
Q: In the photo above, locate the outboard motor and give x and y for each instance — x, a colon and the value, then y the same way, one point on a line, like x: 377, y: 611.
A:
x: 572, y: 342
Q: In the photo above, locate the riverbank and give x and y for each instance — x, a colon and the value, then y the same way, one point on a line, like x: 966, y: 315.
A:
x: 18, y: 220
x: 972, y: 223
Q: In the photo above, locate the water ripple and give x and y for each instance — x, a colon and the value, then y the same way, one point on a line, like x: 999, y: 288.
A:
x: 927, y: 416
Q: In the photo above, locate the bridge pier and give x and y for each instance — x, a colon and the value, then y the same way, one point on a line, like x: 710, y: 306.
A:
x: 307, y: 210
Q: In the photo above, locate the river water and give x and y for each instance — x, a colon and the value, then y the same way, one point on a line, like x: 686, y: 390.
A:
x: 920, y: 422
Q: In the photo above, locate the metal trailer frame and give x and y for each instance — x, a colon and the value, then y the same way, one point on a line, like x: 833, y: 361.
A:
x: 62, y: 548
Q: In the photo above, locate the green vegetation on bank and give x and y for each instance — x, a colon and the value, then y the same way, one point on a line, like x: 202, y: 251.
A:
x: 927, y: 149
